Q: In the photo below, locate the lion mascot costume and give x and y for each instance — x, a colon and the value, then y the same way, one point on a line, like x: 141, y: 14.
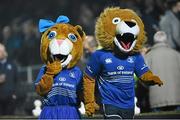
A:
x: 59, y: 81
x: 121, y: 34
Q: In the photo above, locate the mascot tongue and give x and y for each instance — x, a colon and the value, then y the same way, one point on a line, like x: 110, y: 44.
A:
x: 126, y: 46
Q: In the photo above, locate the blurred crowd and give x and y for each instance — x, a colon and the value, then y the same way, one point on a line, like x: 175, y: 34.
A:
x: 18, y: 28
x: 21, y: 39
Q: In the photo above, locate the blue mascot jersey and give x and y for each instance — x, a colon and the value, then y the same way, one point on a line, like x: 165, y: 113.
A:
x: 65, y: 87
x: 115, y: 76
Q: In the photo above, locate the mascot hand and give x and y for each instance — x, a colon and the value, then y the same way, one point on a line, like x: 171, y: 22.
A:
x: 151, y: 79
x: 45, y: 85
x: 155, y: 80
x: 91, y: 108
x: 53, y: 68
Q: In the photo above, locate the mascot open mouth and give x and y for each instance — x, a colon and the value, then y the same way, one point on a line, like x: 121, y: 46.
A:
x: 60, y: 57
x: 65, y: 59
x: 126, y: 40
x: 61, y: 50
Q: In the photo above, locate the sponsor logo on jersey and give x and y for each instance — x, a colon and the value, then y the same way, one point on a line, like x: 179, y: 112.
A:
x: 72, y: 75
x: 120, y: 67
x: 130, y: 60
x: 62, y: 79
x: 108, y: 60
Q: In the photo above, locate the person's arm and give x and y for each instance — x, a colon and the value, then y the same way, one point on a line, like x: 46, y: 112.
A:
x: 44, y: 82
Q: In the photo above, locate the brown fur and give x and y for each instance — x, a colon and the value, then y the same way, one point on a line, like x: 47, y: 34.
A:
x: 45, y: 84
x: 88, y: 84
x: 53, y: 67
x: 89, y: 101
x: 62, y: 31
x: 105, y: 30
x: 151, y: 79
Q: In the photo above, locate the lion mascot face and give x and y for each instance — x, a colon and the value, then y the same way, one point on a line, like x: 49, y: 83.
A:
x: 121, y: 28
x: 61, y: 41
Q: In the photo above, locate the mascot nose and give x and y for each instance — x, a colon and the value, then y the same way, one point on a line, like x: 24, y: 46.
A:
x: 59, y: 42
x: 130, y: 24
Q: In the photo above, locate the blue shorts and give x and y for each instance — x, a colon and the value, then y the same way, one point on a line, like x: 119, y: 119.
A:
x: 60, y: 112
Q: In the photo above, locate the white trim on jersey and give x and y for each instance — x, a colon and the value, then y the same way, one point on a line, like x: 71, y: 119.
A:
x: 113, y: 115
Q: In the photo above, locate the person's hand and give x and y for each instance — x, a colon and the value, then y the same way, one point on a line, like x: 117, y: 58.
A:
x: 2, y: 78
x: 14, y: 97
x: 91, y: 108
x: 53, y: 68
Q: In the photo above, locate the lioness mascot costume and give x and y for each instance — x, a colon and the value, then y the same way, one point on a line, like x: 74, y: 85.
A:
x: 59, y: 80
x: 121, y: 34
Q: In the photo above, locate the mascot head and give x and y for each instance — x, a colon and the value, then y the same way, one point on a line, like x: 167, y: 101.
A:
x: 61, y: 41
x: 120, y: 28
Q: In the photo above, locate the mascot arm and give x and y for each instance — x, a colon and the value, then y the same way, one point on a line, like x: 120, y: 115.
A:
x: 89, y: 98
x: 46, y: 82
x: 44, y: 85
x: 151, y: 79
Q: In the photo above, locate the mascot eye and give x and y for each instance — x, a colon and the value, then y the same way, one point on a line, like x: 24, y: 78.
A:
x: 116, y: 20
x: 52, y: 34
x: 72, y: 37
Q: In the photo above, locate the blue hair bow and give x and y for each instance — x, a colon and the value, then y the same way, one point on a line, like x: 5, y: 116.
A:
x: 46, y: 24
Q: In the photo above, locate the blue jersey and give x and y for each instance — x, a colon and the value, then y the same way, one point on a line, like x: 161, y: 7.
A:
x: 115, y: 76
x: 65, y: 87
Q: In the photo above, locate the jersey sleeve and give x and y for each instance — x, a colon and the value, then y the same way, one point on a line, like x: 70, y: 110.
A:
x: 93, y: 65
x: 140, y: 66
x: 40, y: 74
x: 80, y: 77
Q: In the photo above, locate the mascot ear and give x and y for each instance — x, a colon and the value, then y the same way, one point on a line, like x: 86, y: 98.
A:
x: 80, y: 31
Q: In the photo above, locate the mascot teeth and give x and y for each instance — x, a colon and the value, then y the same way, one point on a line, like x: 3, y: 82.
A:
x: 65, y: 59
x: 126, y: 40
x: 60, y: 57
x: 125, y: 47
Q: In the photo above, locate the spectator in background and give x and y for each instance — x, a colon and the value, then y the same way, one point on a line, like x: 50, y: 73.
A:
x: 12, y: 39
x: 8, y: 78
x: 170, y: 23
x: 165, y: 63
x: 149, y: 16
x: 86, y: 18
x: 90, y: 45
x: 29, y: 54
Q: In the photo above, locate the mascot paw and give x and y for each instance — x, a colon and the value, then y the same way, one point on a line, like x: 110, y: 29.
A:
x: 151, y: 79
x: 157, y: 80
x: 44, y: 85
x: 91, y: 108
x: 96, y: 106
x: 53, y: 68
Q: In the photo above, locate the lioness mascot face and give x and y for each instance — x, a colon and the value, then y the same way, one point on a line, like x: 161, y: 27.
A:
x: 61, y: 41
x: 121, y: 28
